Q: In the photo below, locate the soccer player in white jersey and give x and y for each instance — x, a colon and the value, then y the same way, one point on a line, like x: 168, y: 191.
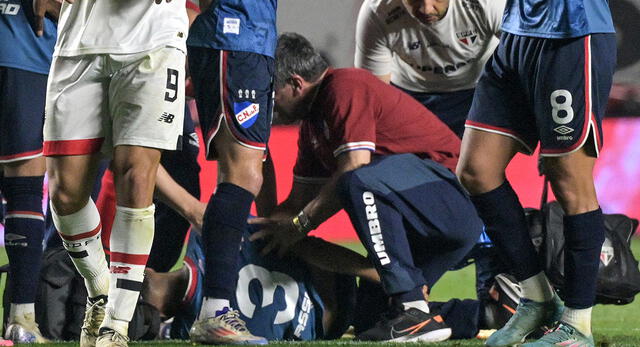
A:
x: 432, y: 49
x: 116, y: 88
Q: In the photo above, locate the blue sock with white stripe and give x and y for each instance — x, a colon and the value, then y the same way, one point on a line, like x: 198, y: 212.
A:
x: 24, y: 230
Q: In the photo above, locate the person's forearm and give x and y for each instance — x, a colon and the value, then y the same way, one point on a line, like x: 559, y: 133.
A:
x: 333, y: 258
x: 178, y: 199
x: 325, y: 205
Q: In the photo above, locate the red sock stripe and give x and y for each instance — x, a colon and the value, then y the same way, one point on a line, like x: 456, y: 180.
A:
x: 127, y: 258
x: 86, y: 235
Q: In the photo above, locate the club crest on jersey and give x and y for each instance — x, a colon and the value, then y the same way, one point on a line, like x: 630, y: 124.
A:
x: 467, y: 37
x: 246, y: 113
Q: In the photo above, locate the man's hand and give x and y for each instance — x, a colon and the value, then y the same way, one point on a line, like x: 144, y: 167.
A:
x: 279, y: 233
x: 43, y: 7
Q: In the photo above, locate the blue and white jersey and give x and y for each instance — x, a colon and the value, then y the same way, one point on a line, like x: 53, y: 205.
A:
x: 557, y: 18
x: 237, y: 25
x: 20, y: 48
x: 275, y: 296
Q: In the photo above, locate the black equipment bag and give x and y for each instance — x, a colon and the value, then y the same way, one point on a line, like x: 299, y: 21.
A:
x: 61, y: 300
x: 618, y: 274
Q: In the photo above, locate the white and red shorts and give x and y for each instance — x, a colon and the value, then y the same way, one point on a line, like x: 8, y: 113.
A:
x: 99, y: 101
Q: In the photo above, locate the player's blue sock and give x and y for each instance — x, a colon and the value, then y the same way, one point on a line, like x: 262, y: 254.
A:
x: 503, y: 216
x: 584, y: 235
x: 224, y: 222
x: 24, y: 230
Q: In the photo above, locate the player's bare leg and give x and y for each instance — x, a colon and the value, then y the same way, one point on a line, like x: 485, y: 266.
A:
x: 134, y: 170
x: 481, y: 169
x: 21, y: 185
x: 240, y: 170
x: 571, y: 178
x: 78, y: 222
x: 483, y: 160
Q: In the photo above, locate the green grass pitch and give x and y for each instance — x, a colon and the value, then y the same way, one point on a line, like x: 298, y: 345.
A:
x: 614, y: 326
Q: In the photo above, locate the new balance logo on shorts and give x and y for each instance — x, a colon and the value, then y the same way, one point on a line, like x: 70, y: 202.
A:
x: 374, y: 227
x: 167, y: 118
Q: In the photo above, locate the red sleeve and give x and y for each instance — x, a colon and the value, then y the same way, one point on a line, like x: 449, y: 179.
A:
x: 349, y: 109
x: 308, y: 167
x: 193, y: 6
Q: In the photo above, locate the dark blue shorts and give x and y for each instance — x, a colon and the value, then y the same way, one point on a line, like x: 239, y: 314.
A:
x: 550, y: 90
x: 234, y: 87
x: 451, y: 107
x: 22, y: 98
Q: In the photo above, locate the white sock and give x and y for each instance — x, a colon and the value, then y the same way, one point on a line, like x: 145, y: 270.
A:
x: 131, y: 240
x: 80, y: 233
x: 578, y: 318
x: 537, y: 288
x: 211, y: 305
x: 421, y: 305
x: 18, y: 312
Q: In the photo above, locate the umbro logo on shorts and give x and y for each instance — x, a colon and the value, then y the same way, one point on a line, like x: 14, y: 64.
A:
x: 167, y: 118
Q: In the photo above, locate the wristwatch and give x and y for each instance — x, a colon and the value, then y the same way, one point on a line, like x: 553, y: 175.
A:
x: 302, y: 223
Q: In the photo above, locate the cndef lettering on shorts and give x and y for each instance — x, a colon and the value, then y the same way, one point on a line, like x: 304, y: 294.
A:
x: 374, y: 227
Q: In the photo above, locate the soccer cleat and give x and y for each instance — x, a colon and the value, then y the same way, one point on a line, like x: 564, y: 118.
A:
x: 225, y: 328
x: 563, y: 335
x: 411, y: 325
x: 529, y: 316
x: 24, y: 330
x: 503, y: 300
x: 93, y: 316
x: 111, y: 338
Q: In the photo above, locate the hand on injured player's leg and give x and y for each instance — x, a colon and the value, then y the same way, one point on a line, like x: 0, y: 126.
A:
x: 279, y: 234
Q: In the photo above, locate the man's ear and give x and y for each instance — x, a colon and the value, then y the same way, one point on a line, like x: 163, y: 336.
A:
x: 297, y: 84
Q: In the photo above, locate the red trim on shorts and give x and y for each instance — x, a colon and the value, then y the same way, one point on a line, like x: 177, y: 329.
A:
x: 501, y: 131
x: 495, y: 128
x: 86, y: 235
x: 492, y: 127
x: 588, y: 114
x: 73, y: 147
x: 127, y: 258
x: 21, y: 155
x: 240, y: 139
